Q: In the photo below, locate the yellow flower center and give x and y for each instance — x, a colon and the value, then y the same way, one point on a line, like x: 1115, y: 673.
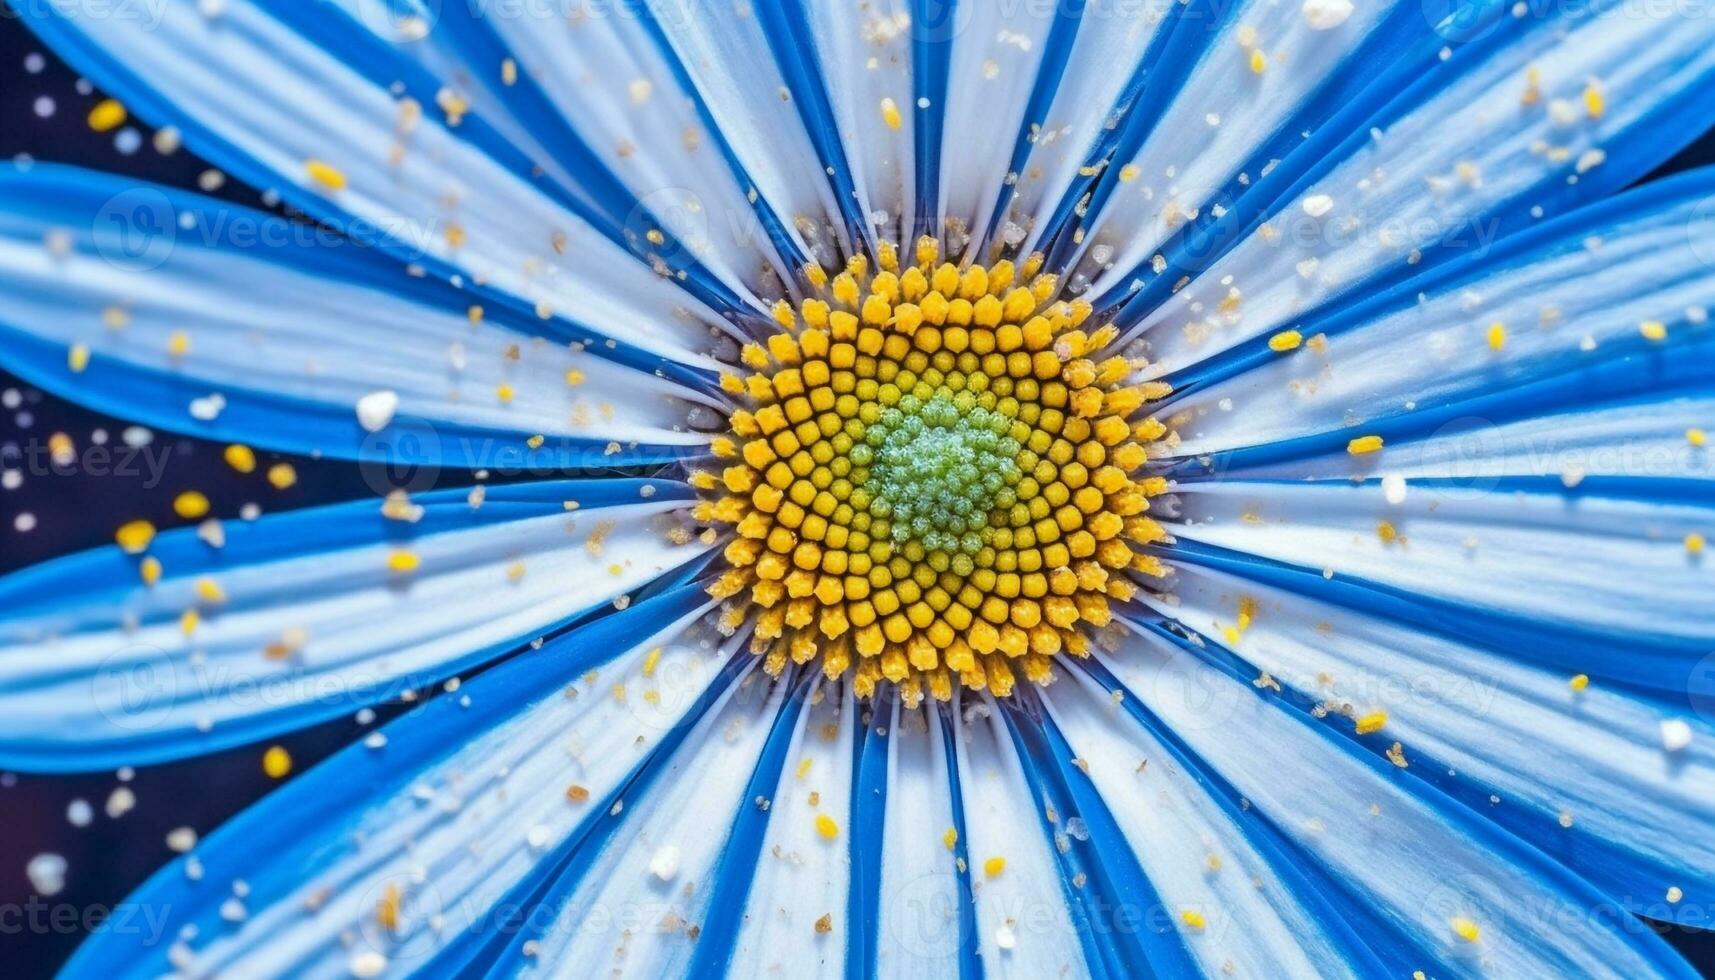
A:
x: 932, y: 477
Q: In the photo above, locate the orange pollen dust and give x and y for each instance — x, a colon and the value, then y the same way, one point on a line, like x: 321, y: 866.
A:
x: 932, y: 475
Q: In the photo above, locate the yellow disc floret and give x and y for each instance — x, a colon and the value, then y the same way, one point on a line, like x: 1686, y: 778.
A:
x: 933, y: 477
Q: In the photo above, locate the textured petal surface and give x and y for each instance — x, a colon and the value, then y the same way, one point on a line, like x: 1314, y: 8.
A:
x: 203, y: 317
x: 1461, y: 896
x: 301, y: 97
x: 398, y: 853
x: 1580, y: 769
x: 1535, y: 117
x: 305, y: 616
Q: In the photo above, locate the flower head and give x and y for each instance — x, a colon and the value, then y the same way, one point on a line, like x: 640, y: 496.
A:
x: 1181, y: 489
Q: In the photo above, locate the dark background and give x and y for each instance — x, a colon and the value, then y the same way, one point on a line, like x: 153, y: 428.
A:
x: 71, y: 511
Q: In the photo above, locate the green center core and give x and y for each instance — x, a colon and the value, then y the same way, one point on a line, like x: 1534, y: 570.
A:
x: 937, y: 469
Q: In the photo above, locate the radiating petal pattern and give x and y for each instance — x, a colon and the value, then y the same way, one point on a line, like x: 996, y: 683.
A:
x: 1465, y: 896
x: 1539, y: 115
x: 399, y: 853
x: 1539, y: 568
x: 1583, y: 769
x: 305, y: 616
x: 233, y: 325
x: 1538, y: 347
x: 300, y: 97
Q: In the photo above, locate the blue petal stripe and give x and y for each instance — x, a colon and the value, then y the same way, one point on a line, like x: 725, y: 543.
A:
x: 1633, y: 661
x: 1578, y: 851
x: 1631, y: 371
x: 794, y: 51
x: 1057, y: 51
x: 1551, y: 237
x: 1669, y: 126
x: 1124, y: 924
x: 970, y: 962
x: 934, y: 24
x: 620, y: 215
x: 292, y: 826
x: 1337, y: 907
x: 1403, y: 44
x: 1173, y: 53
x: 368, y: 55
x: 870, y: 751
x: 737, y: 867
x: 538, y: 900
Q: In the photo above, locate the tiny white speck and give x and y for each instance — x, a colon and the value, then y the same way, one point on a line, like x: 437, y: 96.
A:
x: 375, y: 410
x: 1325, y: 15
x: 665, y: 863
x: 47, y: 873
x: 1393, y: 488
x: 1675, y: 734
x: 1317, y: 205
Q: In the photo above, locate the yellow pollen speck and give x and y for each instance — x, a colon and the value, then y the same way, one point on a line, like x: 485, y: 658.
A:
x: 1595, y: 103
x: 1285, y: 340
x: 574, y: 377
x: 178, y: 343
x: 324, y: 174
x: 950, y: 838
x: 1694, y: 543
x: 505, y: 394
x: 276, y: 762
x: 189, y: 621
x: 77, y: 358
x: 826, y: 827
x: 1696, y: 437
x: 191, y: 505
x: 1579, y: 682
x: 1675, y: 893
x: 107, y: 115
x: 241, y: 458
x: 401, y: 561
x: 1465, y: 929
x: 1653, y: 330
x: 1375, y: 721
x: 890, y: 114
x: 1497, y: 336
x: 135, y: 536
x: 1259, y: 61
x: 209, y: 591
x: 1193, y: 919
x: 282, y: 476
x: 994, y: 866
x: 1364, y: 445
x: 149, y: 570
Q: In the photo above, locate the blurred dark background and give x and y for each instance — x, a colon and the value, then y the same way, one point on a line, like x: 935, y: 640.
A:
x: 43, y: 106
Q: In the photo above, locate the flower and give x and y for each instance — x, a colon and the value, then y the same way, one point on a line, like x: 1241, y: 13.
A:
x: 1127, y: 488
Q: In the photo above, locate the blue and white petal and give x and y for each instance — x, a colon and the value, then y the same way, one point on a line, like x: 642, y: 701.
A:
x: 664, y: 892
x: 1456, y: 894
x: 602, y: 103
x: 1023, y: 923
x: 301, y: 617
x: 1540, y: 116
x: 1592, y: 772
x: 795, y: 921
x: 866, y: 51
x: 1590, y: 329
x: 1197, y: 851
x: 1264, y: 75
x: 198, y: 316
x: 398, y: 853
x: 1588, y: 584
x: 302, y: 98
x: 923, y: 922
